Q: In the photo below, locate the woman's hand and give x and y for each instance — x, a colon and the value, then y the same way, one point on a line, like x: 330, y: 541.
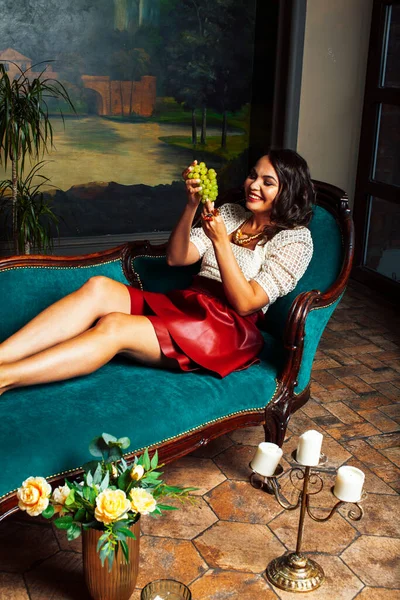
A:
x: 213, y: 224
x: 193, y: 186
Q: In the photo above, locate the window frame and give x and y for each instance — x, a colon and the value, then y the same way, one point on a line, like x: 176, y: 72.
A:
x: 366, y: 187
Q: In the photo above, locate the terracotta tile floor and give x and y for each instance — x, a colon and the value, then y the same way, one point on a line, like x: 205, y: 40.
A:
x: 221, y: 545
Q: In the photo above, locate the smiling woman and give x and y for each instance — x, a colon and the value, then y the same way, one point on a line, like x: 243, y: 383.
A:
x: 226, y: 302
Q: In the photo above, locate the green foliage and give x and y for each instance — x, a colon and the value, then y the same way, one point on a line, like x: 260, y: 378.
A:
x: 208, y: 55
x: 33, y: 214
x: 117, y: 478
x: 26, y: 131
x: 25, y: 127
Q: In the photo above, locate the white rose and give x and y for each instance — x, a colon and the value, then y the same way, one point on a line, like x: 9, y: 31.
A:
x: 60, y: 495
x: 137, y: 472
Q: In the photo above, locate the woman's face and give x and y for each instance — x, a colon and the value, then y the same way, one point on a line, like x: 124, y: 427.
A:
x: 261, y: 187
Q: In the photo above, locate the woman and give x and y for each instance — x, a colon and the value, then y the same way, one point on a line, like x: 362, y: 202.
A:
x: 250, y: 257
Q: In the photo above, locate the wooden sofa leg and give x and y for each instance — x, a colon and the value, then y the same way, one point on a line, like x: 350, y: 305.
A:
x: 275, y: 430
x: 278, y: 413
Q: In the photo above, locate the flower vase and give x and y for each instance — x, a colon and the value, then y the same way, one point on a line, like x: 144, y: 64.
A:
x: 120, y: 582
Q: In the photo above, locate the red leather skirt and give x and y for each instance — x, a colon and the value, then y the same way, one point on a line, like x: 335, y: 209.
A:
x: 199, y: 329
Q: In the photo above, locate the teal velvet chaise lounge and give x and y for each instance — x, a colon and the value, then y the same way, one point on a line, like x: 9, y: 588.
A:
x: 45, y: 430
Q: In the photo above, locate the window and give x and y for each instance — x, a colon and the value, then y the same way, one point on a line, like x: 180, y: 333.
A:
x: 377, y: 197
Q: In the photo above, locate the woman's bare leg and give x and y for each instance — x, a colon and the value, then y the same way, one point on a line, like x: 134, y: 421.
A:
x: 67, y: 318
x: 113, y: 334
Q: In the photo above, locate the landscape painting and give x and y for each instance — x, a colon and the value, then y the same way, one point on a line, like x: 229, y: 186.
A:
x: 155, y: 84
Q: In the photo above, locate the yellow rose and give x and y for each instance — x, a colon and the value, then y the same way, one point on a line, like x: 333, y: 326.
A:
x: 142, y: 501
x: 33, y: 495
x: 137, y: 472
x: 111, y: 505
x: 60, y: 495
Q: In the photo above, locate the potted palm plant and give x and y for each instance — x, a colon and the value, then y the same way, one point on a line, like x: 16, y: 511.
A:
x: 26, y: 130
x: 33, y: 213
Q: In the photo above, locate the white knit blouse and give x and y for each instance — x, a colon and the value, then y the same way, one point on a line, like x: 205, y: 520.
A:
x: 276, y: 266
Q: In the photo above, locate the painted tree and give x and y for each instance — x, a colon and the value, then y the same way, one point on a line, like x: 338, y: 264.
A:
x: 208, y: 55
x: 234, y: 60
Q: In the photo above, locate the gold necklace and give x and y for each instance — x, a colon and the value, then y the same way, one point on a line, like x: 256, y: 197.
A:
x: 242, y: 239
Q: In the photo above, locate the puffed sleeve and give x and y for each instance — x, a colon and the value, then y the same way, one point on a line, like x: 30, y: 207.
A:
x: 286, y: 262
x: 232, y: 215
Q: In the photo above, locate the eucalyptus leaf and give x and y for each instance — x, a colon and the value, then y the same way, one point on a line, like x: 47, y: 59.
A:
x: 90, y: 466
x: 98, y: 474
x: 114, y: 454
x: 97, y: 446
x: 124, y: 442
x: 108, y: 438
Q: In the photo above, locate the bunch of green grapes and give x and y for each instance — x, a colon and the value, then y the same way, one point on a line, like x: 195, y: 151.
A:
x: 208, y: 178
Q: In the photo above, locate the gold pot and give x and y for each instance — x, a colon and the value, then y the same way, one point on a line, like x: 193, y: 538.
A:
x: 119, y: 583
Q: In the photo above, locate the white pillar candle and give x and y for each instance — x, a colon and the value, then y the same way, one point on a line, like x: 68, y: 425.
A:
x: 309, y: 448
x: 266, y: 459
x: 349, y: 484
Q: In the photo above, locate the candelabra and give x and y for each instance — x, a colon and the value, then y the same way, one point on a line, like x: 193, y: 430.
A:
x: 293, y: 571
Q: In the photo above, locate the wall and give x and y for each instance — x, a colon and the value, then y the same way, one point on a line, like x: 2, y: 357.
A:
x: 333, y: 79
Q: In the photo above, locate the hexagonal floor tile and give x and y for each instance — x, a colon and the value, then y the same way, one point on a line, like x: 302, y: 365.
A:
x: 219, y: 585
x: 23, y: 544
x: 340, y: 582
x: 194, y: 472
x: 60, y: 576
x: 369, y: 593
x: 332, y: 536
x: 381, y: 515
x: 238, y: 546
x: 373, y: 559
x: 248, y: 436
x: 185, y: 523
x: 234, y: 462
x: 239, y: 501
x: 213, y: 448
x: 14, y: 582
x: 164, y: 558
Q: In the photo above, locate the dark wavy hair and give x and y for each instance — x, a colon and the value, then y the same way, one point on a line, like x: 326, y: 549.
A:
x: 293, y: 205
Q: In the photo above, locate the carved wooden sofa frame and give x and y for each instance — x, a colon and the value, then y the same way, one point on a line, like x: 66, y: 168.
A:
x: 137, y: 266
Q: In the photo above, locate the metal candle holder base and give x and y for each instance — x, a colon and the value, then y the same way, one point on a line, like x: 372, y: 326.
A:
x: 293, y: 571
